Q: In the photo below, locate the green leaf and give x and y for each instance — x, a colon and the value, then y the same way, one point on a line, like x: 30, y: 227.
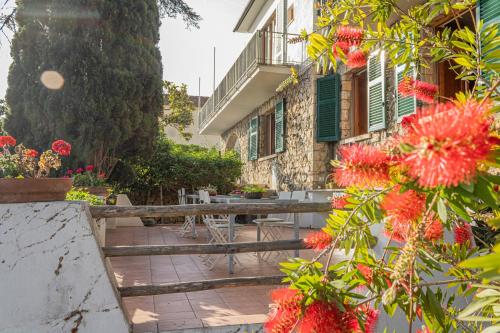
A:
x: 441, y: 207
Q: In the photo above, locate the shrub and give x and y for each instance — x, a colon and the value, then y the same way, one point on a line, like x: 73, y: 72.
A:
x: 173, y: 166
x: 80, y: 195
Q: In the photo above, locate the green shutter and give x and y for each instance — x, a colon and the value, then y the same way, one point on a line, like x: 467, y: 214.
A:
x: 489, y: 11
x: 404, y: 105
x: 279, y: 126
x: 328, y: 108
x: 253, y: 139
x: 376, y: 91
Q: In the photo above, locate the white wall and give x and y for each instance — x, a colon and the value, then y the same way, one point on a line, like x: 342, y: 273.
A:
x: 52, y: 272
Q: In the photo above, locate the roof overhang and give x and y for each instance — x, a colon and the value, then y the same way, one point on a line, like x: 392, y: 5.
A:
x: 250, y: 13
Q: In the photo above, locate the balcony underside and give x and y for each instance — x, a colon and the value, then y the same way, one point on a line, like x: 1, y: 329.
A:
x: 257, y: 88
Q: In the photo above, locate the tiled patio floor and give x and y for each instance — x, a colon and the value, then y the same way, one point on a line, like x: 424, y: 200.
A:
x: 228, y: 306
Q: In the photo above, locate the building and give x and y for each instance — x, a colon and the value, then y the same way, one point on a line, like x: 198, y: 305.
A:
x: 208, y: 141
x: 287, y: 139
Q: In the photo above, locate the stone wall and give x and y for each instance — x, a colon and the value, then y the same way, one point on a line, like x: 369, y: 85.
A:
x: 53, y: 277
x: 305, y: 163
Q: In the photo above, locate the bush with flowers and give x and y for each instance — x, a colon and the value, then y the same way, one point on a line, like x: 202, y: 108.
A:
x: 87, y: 177
x: 17, y: 161
x: 439, y: 175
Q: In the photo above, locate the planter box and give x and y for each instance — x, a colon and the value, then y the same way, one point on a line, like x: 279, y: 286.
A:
x: 253, y: 195
x: 34, y: 190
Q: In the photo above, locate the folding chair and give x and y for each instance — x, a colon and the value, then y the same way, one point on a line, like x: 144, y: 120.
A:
x: 188, y: 228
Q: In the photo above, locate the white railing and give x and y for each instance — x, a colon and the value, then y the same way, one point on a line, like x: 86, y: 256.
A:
x: 264, y: 48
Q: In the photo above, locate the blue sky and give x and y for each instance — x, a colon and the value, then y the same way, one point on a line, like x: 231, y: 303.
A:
x: 187, y: 54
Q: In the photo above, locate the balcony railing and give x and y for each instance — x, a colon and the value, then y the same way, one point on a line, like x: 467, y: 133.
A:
x: 264, y: 48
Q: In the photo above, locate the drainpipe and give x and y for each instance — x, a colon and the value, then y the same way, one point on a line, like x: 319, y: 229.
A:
x: 285, y: 31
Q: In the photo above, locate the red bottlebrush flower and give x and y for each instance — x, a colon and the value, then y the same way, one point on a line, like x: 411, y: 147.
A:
x: 363, y: 166
x: 322, y: 317
x: 30, y: 153
x: 61, y: 147
x: 434, y: 231
x: 463, y: 234
x: 318, y: 240
x: 69, y: 172
x: 369, y: 316
x: 89, y: 168
x: 407, y: 122
x: 419, y: 312
x: 424, y: 330
x: 403, y: 207
x: 449, y: 141
x: 344, y: 46
x: 7, y: 140
x: 351, y: 35
x: 339, y: 202
x: 423, y: 91
x: 285, y: 312
x: 366, y: 272
x: 356, y: 59
x: 79, y: 170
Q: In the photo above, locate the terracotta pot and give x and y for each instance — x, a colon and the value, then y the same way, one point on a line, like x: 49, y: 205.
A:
x: 100, y: 191
x: 34, y: 190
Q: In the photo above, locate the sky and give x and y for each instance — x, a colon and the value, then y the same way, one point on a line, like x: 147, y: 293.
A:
x: 187, y: 54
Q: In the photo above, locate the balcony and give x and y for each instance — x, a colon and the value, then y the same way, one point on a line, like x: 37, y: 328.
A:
x: 261, y: 67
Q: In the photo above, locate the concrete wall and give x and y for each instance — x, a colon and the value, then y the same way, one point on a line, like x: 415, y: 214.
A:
x: 53, y: 277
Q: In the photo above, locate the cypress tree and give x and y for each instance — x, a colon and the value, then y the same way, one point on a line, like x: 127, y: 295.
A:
x: 106, y: 51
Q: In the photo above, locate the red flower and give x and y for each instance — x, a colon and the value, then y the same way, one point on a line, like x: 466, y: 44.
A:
x: 322, y: 317
x: 61, y: 147
x: 403, y: 207
x: 424, y: 330
x: 434, y: 231
x: 369, y: 316
x: 89, y: 168
x: 7, y: 140
x: 351, y: 35
x: 101, y: 175
x: 423, y: 91
x: 366, y: 272
x: 339, y: 202
x: 342, y: 45
x: 69, y: 172
x: 31, y: 153
x: 407, y: 122
x: 362, y: 166
x: 318, y: 240
x: 463, y: 234
x: 286, y: 311
x: 79, y: 170
x: 449, y: 141
x: 356, y: 59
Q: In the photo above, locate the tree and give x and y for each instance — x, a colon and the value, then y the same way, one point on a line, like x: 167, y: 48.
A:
x: 440, y: 173
x: 3, y: 112
x: 106, y: 52
x: 180, y: 108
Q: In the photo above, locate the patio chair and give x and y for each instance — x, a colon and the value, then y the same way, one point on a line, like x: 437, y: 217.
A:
x: 218, y: 229
x: 188, y: 227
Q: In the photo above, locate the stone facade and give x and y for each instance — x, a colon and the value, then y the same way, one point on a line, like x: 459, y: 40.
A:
x: 305, y: 163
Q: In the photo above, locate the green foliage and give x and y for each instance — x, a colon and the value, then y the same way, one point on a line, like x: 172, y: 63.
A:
x: 88, y: 178
x: 174, y: 166
x: 180, y: 108
x: 3, y: 112
x: 253, y: 189
x: 81, y: 195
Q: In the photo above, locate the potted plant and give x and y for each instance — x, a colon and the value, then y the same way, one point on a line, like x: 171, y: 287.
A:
x: 89, y: 180
x: 25, y: 174
x: 253, y: 191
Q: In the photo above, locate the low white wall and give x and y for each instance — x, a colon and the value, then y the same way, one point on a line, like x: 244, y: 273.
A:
x: 53, y: 277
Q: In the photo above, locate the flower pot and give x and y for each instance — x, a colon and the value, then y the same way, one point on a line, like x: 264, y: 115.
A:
x: 253, y: 195
x: 34, y: 190
x: 100, y: 191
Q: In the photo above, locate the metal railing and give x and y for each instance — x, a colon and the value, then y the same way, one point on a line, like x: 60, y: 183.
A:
x: 264, y: 48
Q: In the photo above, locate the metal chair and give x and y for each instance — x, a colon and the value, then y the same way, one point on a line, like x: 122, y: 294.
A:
x: 189, y: 225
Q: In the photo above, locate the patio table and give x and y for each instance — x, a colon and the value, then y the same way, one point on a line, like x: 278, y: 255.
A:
x: 233, y: 199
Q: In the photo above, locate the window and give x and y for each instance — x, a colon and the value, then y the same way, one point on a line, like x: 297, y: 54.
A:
x: 290, y: 14
x: 268, y: 134
x: 360, y: 105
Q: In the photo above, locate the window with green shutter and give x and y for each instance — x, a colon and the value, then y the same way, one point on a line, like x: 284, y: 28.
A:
x: 489, y: 11
x: 376, y: 91
x: 328, y: 108
x: 253, y: 139
x: 279, y: 126
x: 404, y: 105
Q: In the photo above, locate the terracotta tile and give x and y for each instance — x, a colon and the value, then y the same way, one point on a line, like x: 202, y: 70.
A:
x: 166, y: 325
x: 172, y: 306
x: 233, y: 320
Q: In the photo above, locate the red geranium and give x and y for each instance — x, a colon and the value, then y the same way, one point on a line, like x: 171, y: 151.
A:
x: 89, y: 168
x: 79, y: 170
x: 7, y: 140
x: 30, y: 153
x: 318, y: 240
x: 69, y: 172
x: 61, y: 147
